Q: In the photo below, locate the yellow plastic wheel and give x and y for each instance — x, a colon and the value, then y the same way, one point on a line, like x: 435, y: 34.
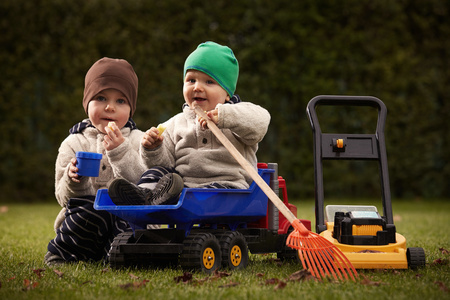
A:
x: 234, y: 250
x: 236, y: 255
x: 209, y: 258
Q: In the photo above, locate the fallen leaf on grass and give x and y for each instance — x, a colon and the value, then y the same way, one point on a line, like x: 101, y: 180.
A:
x: 216, y: 276
x: 105, y: 270
x: 280, y: 285
x: 59, y: 273
x: 442, y: 286
x: 134, y: 285
x: 186, y: 277
x: 301, y: 275
x: 28, y: 285
x: 260, y: 274
x: 272, y: 281
x: 367, y: 281
x: 444, y: 251
x: 440, y: 262
x: 397, y: 218
x: 219, y: 274
x: 38, y: 272
x: 3, y: 209
x: 133, y: 276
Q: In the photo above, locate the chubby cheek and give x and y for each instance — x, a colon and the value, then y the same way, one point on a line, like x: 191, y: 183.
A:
x: 186, y: 96
x: 94, y: 117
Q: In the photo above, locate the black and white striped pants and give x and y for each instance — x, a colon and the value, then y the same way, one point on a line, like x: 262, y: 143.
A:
x: 86, y: 234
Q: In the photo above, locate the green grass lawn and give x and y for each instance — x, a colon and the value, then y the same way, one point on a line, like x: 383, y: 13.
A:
x: 25, y: 230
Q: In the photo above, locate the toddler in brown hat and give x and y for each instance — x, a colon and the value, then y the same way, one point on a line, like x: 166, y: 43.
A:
x: 110, y: 95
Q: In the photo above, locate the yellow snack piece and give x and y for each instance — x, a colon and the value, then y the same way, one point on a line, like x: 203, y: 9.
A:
x: 161, y: 129
x: 110, y: 125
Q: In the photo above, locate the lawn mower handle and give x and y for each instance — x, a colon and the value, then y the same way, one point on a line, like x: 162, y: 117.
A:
x: 333, y: 100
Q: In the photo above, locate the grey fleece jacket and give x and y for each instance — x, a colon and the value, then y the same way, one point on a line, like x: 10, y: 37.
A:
x: 197, y: 154
x: 123, y: 161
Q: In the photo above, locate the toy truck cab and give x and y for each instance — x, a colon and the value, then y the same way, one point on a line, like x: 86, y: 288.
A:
x: 205, y: 229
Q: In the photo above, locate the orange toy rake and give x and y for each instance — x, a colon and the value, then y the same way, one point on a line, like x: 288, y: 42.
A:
x: 317, y: 254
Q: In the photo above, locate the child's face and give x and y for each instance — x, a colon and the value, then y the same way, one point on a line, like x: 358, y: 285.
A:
x: 202, y: 90
x: 109, y: 105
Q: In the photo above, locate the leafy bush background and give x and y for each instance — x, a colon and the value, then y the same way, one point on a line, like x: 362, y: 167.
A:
x: 289, y: 52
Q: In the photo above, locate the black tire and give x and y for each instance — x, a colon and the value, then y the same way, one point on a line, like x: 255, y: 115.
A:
x: 116, y: 259
x: 415, y: 257
x: 201, y: 251
x: 287, y: 253
x: 234, y: 250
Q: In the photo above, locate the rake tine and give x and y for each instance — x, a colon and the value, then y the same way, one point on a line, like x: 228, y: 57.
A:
x: 319, y: 260
x: 329, y: 259
x: 308, y: 262
x: 341, y: 260
x: 349, y: 267
x: 307, y: 251
x: 342, y: 263
x: 336, y: 259
x: 327, y: 264
x: 311, y: 255
x: 300, y: 253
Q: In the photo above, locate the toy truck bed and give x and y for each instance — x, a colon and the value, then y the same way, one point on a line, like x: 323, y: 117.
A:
x: 195, y: 206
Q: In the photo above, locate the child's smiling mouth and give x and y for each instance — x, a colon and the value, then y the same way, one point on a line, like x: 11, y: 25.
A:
x: 198, y: 99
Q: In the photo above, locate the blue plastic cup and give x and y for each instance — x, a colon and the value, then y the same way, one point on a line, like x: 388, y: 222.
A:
x: 88, y: 163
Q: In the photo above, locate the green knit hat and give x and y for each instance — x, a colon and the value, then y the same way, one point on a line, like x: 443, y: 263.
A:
x: 218, y: 62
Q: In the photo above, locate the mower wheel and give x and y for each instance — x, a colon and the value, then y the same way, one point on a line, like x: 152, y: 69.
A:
x: 415, y: 257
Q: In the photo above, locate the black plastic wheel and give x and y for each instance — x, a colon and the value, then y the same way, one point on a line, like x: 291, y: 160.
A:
x: 116, y: 259
x: 234, y: 250
x: 415, y: 257
x: 286, y: 253
x: 201, y: 251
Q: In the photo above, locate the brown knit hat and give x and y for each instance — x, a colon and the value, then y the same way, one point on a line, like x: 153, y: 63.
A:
x: 112, y: 73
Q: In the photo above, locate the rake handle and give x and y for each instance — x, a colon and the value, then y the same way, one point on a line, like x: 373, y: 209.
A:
x: 247, y: 166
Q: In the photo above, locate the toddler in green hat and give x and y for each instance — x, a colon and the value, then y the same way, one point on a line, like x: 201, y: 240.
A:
x: 187, y: 154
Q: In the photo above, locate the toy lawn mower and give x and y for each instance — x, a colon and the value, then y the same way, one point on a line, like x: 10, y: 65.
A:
x: 367, y: 239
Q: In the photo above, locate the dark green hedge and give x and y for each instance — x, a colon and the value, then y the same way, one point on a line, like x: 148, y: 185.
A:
x: 289, y: 51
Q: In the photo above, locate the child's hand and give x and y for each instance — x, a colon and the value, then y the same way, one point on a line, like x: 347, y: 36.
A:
x: 213, y: 115
x: 73, y: 171
x: 152, y: 139
x: 113, y: 137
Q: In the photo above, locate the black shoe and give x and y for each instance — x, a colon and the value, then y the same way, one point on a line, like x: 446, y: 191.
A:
x: 167, y: 190
x: 53, y: 260
x: 123, y: 192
